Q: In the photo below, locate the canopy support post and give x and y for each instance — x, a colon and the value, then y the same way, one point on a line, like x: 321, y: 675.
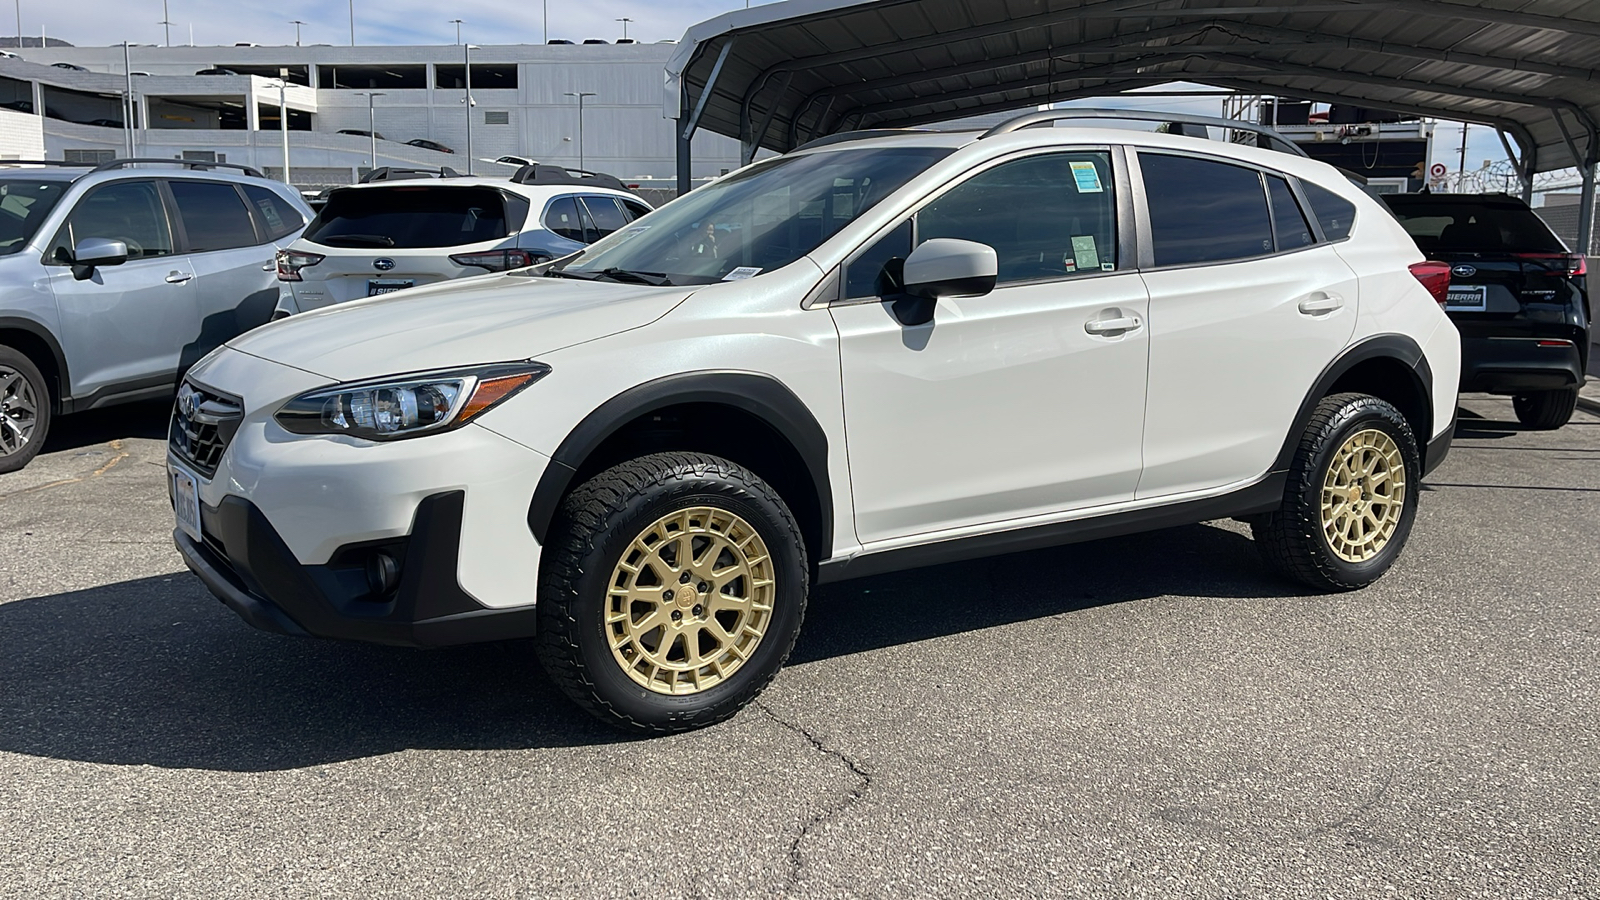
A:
x: 685, y: 136
x: 1586, y: 210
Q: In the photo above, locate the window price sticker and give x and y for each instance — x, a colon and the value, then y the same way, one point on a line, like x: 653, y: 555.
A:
x: 1086, y: 177
x: 742, y: 273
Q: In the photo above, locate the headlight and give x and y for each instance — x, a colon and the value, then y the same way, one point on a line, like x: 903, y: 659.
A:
x: 404, y: 406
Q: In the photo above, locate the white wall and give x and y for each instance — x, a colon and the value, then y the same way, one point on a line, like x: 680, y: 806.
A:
x: 21, y: 135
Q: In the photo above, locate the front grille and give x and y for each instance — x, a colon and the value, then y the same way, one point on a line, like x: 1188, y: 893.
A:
x: 203, y: 422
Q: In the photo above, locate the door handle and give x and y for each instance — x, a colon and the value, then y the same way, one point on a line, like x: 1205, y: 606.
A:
x: 1321, y: 303
x: 176, y: 277
x: 270, y: 267
x: 1109, y: 326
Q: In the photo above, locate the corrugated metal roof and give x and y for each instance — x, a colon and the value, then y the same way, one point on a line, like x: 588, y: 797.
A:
x: 803, y: 68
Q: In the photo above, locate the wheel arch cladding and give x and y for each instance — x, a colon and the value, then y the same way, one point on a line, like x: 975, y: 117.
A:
x: 1390, y: 367
x: 761, y: 425
x: 36, y: 343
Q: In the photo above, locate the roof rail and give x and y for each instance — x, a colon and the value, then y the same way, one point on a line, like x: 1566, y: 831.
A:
x: 185, y: 163
x: 1275, y: 141
x: 862, y: 135
x: 537, y: 174
x: 397, y: 173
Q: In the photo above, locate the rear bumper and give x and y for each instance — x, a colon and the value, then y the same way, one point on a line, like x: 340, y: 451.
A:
x: 247, y: 565
x: 1514, y: 365
x: 1438, y: 448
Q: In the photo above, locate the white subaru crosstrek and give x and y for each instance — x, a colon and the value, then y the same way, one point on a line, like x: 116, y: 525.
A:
x: 386, y: 235
x: 877, y: 352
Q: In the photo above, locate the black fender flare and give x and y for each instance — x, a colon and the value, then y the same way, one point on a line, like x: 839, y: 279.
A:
x: 36, y: 329
x: 760, y: 395
x: 1393, y: 346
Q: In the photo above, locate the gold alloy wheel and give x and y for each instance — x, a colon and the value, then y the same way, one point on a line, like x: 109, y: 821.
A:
x: 690, y: 600
x: 1363, y: 495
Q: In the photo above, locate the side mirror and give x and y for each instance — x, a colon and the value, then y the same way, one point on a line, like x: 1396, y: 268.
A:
x: 944, y: 267
x: 93, y: 252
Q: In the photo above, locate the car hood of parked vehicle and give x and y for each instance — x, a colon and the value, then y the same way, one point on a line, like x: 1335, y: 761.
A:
x: 493, y: 318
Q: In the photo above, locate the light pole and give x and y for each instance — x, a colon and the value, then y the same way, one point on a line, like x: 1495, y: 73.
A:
x: 546, y: 21
x: 580, y: 95
x: 296, y: 23
x: 624, y: 20
x: 127, y: 120
x: 458, y: 29
x: 372, y: 122
x: 166, y: 20
x: 466, y: 69
x: 283, y: 119
x: 352, y: 23
x: 19, y: 23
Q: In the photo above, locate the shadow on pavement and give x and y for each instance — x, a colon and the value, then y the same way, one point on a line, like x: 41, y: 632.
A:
x: 146, y: 419
x: 155, y: 672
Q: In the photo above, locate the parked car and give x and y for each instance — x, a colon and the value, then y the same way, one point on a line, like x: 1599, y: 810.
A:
x: 390, y: 235
x: 216, y: 70
x: 7, y: 54
x: 638, y: 454
x: 426, y: 144
x: 1519, y: 297
x: 105, y: 123
x: 18, y: 105
x: 69, y: 67
x: 114, y: 279
x: 366, y: 134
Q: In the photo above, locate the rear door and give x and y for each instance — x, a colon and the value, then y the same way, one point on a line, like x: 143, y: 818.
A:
x: 383, y: 239
x: 236, y: 282
x: 1246, y: 310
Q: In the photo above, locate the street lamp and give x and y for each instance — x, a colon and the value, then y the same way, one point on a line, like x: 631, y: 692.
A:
x: 283, y: 119
x: 372, y: 122
x: 458, y: 29
x: 580, y: 95
x: 466, y: 69
x: 296, y: 23
x: 624, y: 20
x: 166, y: 20
x: 352, y: 23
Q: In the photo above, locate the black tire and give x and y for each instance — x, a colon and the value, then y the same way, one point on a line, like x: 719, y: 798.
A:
x: 596, y: 524
x: 16, y: 422
x: 1291, y: 539
x: 1545, y: 410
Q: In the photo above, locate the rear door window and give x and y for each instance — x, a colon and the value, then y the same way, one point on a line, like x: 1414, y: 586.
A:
x: 562, y: 218
x: 410, y: 217
x: 214, y: 215
x: 1203, y: 211
x: 606, y: 215
x: 280, y: 218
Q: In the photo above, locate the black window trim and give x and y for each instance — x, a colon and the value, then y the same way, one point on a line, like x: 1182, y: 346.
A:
x: 71, y: 207
x: 181, y: 232
x: 1146, y: 233
x: 1128, y: 238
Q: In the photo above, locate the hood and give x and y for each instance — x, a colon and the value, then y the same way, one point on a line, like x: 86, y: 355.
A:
x: 490, y: 318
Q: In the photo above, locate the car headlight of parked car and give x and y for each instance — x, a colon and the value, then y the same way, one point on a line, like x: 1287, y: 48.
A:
x: 403, y: 406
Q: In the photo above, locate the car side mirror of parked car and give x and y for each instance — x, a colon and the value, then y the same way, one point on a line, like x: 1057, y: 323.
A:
x: 93, y: 252
x: 944, y: 267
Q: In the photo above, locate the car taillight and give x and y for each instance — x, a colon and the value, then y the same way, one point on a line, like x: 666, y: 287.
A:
x: 290, y: 262
x: 495, y: 260
x: 1435, y: 276
x: 1576, y: 263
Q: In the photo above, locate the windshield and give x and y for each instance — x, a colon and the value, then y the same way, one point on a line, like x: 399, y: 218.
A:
x: 762, y: 218
x: 23, y: 208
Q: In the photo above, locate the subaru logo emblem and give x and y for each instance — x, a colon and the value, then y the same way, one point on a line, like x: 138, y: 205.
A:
x: 1464, y: 271
x: 188, y: 401
x: 383, y: 265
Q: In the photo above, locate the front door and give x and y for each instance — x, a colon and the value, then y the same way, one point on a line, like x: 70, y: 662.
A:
x: 123, y: 327
x: 1015, y: 404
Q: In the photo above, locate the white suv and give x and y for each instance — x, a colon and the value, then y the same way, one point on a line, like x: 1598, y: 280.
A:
x: 387, y: 234
x: 877, y: 352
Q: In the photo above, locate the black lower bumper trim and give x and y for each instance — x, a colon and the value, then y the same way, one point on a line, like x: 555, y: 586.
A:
x: 249, y: 567
x: 1438, y: 448
x: 1515, y: 365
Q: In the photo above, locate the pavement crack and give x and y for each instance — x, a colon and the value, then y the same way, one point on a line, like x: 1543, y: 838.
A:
x: 796, y: 856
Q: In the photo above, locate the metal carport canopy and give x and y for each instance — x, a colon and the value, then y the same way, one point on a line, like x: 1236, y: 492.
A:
x: 779, y: 75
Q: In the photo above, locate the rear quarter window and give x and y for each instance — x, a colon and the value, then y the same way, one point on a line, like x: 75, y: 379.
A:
x: 410, y: 217
x: 277, y: 214
x: 1334, y: 213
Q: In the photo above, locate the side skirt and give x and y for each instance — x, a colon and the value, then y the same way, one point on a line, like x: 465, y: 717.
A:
x: 1265, y: 495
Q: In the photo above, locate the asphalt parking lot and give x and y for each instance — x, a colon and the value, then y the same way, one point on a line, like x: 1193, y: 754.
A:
x: 1151, y: 716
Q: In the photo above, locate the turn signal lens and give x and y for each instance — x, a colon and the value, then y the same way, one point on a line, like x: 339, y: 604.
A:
x: 290, y: 262
x: 1435, y: 276
x: 407, y: 405
x: 495, y: 260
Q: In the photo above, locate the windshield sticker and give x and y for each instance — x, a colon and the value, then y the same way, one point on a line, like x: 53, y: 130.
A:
x: 742, y: 273
x: 1086, y: 177
x: 1084, y: 252
x: 1069, y: 263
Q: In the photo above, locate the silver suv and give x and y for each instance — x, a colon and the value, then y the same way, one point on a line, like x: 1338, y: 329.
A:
x: 115, y: 278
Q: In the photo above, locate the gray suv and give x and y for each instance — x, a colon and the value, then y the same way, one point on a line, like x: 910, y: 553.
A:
x: 115, y: 278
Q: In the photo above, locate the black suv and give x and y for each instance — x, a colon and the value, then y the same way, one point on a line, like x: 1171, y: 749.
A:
x: 1517, y: 295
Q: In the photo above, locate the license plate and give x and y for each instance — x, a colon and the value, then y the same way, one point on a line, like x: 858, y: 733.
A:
x: 185, y: 499
x: 1467, y: 297
x: 378, y: 286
